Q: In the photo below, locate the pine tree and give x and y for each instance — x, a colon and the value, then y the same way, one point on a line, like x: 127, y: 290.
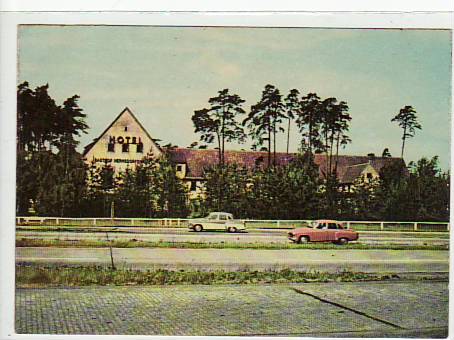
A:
x: 265, y: 119
x: 308, y: 121
x: 407, y: 120
x: 293, y: 108
x: 219, y: 121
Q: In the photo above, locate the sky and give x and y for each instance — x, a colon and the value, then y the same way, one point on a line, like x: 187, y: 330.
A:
x: 163, y: 74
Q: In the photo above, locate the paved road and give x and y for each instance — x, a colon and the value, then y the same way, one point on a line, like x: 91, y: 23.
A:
x: 256, y: 236
x: 397, y: 309
x: 237, y: 259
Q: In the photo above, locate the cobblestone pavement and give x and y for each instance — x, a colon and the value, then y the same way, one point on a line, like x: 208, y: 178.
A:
x: 334, y: 309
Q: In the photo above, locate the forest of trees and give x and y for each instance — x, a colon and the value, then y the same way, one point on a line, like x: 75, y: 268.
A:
x: 53, y: 180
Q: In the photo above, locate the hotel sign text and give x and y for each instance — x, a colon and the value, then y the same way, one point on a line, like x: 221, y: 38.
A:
x: 126, y: 139
x: 117, y: 160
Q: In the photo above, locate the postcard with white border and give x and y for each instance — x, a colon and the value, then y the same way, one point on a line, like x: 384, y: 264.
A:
x: 232, y: 175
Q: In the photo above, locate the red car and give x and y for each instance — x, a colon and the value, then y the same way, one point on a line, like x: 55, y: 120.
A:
x: 323, y: 231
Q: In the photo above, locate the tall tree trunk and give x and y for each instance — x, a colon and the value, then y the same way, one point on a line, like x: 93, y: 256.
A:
x: 221, y: 177
x: 63, y: 194
x: 219, y: 148
x: 337, y: 152
x: 274, y: 145
x: 288, y: 134
x: 269, y: 141
x: 223, y: 151
x: 223, y: 138
x: 403, y: 142
x: 310, y: 135
x: 331, y: 147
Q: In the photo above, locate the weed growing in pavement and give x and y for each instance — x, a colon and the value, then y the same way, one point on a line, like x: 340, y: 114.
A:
x: 133, y: 243
x: 63, y: 275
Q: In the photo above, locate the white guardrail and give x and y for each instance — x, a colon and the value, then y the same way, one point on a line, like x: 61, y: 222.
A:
x: 253, y: 224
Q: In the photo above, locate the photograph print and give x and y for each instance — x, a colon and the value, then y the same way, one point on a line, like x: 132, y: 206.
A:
x: 232, y: 181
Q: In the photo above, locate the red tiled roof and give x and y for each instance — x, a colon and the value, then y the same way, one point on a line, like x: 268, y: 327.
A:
x: 197, y: 160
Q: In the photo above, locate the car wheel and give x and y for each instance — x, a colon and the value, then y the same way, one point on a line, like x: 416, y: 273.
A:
x: 198, y: 227
x: 343, y: 240
x: 302, y: 239
x: 231, y: 230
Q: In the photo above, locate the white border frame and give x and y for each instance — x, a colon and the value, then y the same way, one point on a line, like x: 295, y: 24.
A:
x: 232, y: 5
x: 8, y: 83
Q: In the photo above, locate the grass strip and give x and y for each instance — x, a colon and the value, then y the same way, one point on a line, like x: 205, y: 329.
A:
x: 55, y: 275
x: 27, y: 242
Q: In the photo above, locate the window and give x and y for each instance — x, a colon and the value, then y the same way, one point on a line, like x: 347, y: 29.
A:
x: 332, y: 226
x: 179, y: 167
x: 139, y: 148
x: 126, y: 128
x: 321, y: 226
x: 213, y: 217
x: 125, y: 147
x: 111, y: 147
x: 223, y: 217
x: 369, y: 175
x: 193, y: 185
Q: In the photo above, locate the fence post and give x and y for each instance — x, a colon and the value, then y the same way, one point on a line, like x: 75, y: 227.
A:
x: 415, y: 226
x: 447, y: 227
x: 278, y: 224
x: 57, y: 221
x: 382, y: 226
x: 348, y: 224
x: 178, y: 221
x: 94, y: 221
x: 132, y: 221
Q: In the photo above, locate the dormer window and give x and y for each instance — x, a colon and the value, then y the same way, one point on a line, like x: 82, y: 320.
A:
x: 369, y: 175
x: 180, y: 170
x: 126, y: 128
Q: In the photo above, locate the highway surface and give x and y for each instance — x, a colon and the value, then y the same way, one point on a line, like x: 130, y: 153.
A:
x: 253, y: 236
x: 389, y: 261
